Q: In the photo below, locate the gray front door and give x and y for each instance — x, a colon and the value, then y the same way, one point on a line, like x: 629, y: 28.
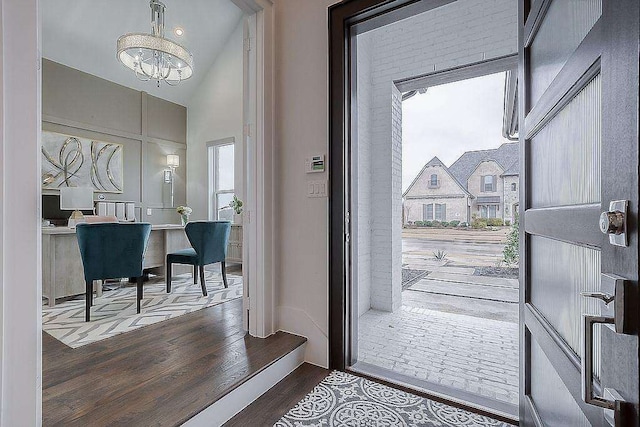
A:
x: 578, y: 104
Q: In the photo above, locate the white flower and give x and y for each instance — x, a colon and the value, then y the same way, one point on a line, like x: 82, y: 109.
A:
x: 184, y: 210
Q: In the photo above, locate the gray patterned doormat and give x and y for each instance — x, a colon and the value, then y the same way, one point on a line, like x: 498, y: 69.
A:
x: 343, y: 399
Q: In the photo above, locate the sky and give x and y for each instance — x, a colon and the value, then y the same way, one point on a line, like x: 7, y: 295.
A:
x: 450, y: 119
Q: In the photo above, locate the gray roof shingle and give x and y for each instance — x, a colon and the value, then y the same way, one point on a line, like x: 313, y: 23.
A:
x: 506, y: 156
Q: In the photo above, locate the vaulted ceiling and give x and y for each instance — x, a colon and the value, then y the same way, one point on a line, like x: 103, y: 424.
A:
x: 83, y: 34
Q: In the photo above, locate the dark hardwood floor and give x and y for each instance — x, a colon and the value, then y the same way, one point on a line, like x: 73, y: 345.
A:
x: 272, y: 405
x: 159, y: 375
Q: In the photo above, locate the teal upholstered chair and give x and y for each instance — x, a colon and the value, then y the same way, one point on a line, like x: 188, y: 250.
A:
x: 112, y: 251
x: 209, y: 240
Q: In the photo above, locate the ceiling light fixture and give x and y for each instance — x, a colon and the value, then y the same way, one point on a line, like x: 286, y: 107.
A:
x: 178, y: 31
x: 152, y: 56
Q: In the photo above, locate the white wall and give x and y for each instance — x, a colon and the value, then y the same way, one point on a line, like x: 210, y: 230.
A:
x: 301, y: 129
x: 458, y: 33
x: 215, y: 112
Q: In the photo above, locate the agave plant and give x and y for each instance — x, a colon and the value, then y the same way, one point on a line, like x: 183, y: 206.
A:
x: 440, y: 255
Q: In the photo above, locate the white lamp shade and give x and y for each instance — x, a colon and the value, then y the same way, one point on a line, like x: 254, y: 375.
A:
x: 76, y: 198
x: 173, y: 160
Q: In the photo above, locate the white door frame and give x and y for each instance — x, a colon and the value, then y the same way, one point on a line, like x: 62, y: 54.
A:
x: 20, y: 205
x: 259, y: 219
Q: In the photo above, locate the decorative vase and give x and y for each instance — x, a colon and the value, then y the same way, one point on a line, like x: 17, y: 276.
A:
x: 185, y: 219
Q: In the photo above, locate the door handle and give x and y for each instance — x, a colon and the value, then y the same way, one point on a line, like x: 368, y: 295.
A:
x: 587, y: 362
x: 613, y: 291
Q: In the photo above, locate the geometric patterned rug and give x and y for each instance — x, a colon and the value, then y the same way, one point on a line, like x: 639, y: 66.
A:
x: 114, y: 312
x: 343, y: 399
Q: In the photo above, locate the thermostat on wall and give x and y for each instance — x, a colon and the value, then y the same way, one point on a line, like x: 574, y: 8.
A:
x: 315, y: 163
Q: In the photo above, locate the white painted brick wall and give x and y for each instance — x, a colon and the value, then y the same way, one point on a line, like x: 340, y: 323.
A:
x: 459, y: 33
x: 362, y: 216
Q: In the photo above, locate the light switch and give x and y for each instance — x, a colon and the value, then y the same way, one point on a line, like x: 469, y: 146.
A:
x: 316, y: 189
x: 149, y: 211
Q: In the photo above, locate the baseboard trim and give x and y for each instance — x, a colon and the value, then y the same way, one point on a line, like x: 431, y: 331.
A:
x: 225, y: 408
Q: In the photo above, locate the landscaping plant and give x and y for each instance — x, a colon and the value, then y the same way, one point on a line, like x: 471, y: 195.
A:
x: 511, y: 248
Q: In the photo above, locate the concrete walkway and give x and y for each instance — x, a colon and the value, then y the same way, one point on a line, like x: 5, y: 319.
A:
x: 454, y: 329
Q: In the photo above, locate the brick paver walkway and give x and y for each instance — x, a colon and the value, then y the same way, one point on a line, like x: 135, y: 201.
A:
x: 470, y: 353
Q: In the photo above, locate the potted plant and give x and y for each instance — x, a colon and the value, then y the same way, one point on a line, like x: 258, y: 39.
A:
x: 237, y: 206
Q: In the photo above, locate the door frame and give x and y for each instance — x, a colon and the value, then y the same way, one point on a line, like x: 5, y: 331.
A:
x: 348, y: 18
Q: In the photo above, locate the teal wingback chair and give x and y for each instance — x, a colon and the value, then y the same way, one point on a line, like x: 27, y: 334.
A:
x: 209, y: 240
x: 111, y: 251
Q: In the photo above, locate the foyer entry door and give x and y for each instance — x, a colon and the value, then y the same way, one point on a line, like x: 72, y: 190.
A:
x: 578, y: 103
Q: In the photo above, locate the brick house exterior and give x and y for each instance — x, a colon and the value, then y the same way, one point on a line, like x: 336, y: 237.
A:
x: 480, y: 183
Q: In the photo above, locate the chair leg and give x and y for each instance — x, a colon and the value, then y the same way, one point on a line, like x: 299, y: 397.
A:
x: 202, y: 281
x: 167, y: 279
x: 88, y: 293
x: 195, y: 274
x: 224, y: 274
x: 140, y: 283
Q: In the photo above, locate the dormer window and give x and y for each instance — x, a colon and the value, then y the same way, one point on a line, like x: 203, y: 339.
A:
x: 433, y: 181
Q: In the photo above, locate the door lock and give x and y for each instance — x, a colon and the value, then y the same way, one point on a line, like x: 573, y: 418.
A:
x: 614, y: 223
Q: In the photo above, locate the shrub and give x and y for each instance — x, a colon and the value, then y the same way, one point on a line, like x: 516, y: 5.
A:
x: 454, y: 223
x: 507, y: 222
x: 429, y: 223
x: 479, y: 223
x: 463, y: 224
x: 444, y: 224
x: 436, y: 223
x: 419, y: 223
x: 510, y: 253
x: 495, y: 222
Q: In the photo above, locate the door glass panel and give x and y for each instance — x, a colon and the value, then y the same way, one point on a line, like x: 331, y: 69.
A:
x: 559, y: 272
x: 549, y: 393
x: 570, y: 146
x: 566, y: 23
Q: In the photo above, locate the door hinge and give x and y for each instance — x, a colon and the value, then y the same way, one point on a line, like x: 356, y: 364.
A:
x: 248, y: 130
x: 247, y: 44
x: 248, y: 303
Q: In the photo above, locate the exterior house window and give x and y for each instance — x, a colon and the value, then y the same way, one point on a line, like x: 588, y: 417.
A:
x: 513, y: 186
x: 433, y: 181
x: 488, y: 211
x: 488, y: 183
x: 427, y: 212
x: 441, y: 212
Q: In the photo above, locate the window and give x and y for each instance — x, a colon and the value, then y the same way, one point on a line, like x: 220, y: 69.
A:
x: 488, y: 211
x: 433, y: 182
x: 221, y: 174
x: 441, y: 212
x: 427, y: 212
x: 513, y: 186
x: 488, y: 183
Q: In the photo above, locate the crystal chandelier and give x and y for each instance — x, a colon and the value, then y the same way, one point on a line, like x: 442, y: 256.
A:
x: 152, y: 56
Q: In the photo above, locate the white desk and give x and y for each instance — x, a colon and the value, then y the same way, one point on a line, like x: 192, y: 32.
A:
x: 62, y: 272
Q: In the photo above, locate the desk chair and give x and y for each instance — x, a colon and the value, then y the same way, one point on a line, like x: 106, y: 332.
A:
x: 209, y: 240
x: 111, y: 251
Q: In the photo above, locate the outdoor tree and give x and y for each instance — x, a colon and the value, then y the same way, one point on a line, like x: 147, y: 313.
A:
x: 511, y: 248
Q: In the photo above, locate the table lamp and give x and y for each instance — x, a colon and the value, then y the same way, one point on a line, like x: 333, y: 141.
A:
x: 76, y: 199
